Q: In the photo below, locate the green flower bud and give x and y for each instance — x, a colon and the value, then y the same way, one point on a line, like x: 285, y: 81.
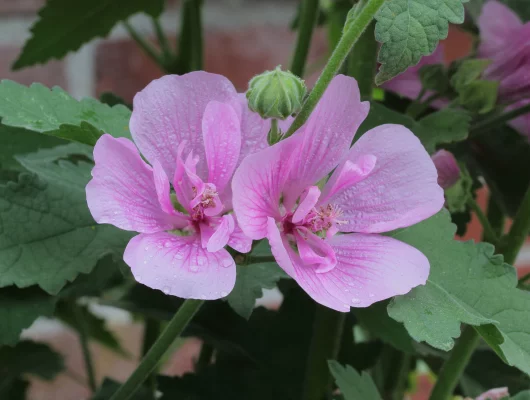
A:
x: 276, y: 94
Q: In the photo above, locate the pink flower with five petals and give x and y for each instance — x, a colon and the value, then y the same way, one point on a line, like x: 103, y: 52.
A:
x: 384, y: 182
x: 193, y: 129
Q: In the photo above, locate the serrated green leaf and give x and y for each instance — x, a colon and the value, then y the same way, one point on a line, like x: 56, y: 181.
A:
x: 19, y: 308
x: 54, y: 112
x: 375, y: 318
x: 47, y: 234
x: 479, y: 96
x: 467, y: 72
x: 250, y: 282
x: 467, y: 284
x: 95, y: 327
x: 64, y: 26
x: 353, y: 386
x: 29, y: 357
x: 410, y: 29
x: 442, y: 127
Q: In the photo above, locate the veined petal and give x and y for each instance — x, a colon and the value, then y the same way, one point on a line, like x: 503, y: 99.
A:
x: 170, y: 110
x: 222, y: 140
x: 280, y: 247
x: 326, y: 136
x: 497, y: 24
x: 122, y: 191
x: 179, y: 266
x: 238, y: 240
x: 308, y: 200
x: 400, y: 191
x: 162, y: 190
x: 221, y: 235
x: 314, y: 252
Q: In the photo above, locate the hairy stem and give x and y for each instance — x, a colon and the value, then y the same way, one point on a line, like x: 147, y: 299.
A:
x: 347, y: 41
x: 175, y: 327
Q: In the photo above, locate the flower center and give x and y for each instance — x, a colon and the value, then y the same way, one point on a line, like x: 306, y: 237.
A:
x: 209, y: 199
x: 320, y: 220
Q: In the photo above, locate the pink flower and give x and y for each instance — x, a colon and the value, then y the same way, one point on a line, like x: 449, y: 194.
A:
x: 494, y: 394
x: 505, y: 40
x: 447, y: 168
x: 384, y: 182
x: 194, y: 129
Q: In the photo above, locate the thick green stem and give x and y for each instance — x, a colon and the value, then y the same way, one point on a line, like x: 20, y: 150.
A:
x: 346, y: 43
x: 489, y: 232
x: 175, y: 327
x: 456, y: 363
x: 325, y: 344
x: 145, y: 46
x: 151, y: 331
x: 308, y: 19
x: 190, y: 39
x: 362, y: 62
x: 83, y: 338
x: 498, y: 120
x: 511, y: 244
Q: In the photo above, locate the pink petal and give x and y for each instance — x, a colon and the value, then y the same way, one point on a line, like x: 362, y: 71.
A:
x: 447, y: 167
x: 308, y: 200
x: 280, y: 248
x: 494, y: 394
x: 370, y: 268
x: 522, y: 123
x: 239, y: 241
x: 258, y: 185
x: 254, y: 130
x: 179, y: 266
x: 400, y: 191
x: 170, y: 110
x: 327, y: 135
x: 314, y: 251
x: 163, y: 189
x: 221, y: 235
x: 122, y: 191
x: 497, y: 24
x: 222, y: 141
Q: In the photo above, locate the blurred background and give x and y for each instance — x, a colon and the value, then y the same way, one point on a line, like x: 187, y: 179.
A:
x: 242, y: 38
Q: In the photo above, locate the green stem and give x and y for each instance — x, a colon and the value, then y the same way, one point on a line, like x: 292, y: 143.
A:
x: 162, y: 41
x: 362, y: 62
x: 489, y: 232
x: 205, y: 357
x: 144, y: 45
x: 456, y: 363
x: 347, y: 41
x: 495, y: 217
x: 398, y: 377
x: 190, y: 38
x: 274, y: 133
x: 498, y: 120
x: 83, y: 338
x: 175, y: 327
x: 325, y: 343
x: 151, y: 331
x: 511, y: 244
x: 308, y: 19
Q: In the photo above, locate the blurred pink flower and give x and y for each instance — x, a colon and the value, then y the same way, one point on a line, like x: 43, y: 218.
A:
x: 505, y: 40
x: 194, y: 129
x: 384, y: 182
x: 447, y: 168
x: 494, y: 394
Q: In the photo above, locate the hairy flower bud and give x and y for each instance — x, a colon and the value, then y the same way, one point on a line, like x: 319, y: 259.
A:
x: 276, y: 94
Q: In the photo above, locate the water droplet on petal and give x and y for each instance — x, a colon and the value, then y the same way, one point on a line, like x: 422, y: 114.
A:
x: 178, y: 256
x: 201, y: 260
x: 194, y: 268
x: 227, y: 262
x: 167, y: 244
x: 355, y: 301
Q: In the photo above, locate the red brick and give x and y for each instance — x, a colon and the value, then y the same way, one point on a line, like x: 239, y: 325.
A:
x: 121, y: 67
x: 50, y: 74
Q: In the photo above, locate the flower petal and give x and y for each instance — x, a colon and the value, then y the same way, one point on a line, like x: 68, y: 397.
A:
x: 170, y: 110
x: 258, y: 185
x: 221, y: 235
x: 122, y: 191
x: 327, y: 135
x: 447, y: 167
x: 162, y: 190
x: 495, y: 394
x: 222, y: 142
x: 238, y: 240
x: 400, y: 191
x: 497, y: 24
x: 280, y: 247
x: 179, y: 266
x: 370, y: 268
x: 308, y: 200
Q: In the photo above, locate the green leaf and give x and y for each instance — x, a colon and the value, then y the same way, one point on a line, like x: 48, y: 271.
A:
x: 479, y: 96
x: 48, y: 236
x: 375, y: 318
x: 96, y: 328
x: 250, y: 282
x: 354, y: 386
x: 434, y: 77
x: 410, y: 29
x: 19, y: 308
x: 521, y: 396
x: 28, y: 357
x: 443, y: 127
x: 64, y: 26
x: 467, y: 284
x: 110, y: 386
x: 54, y: 112
x: 15, y: 141
x: 467, y: 72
